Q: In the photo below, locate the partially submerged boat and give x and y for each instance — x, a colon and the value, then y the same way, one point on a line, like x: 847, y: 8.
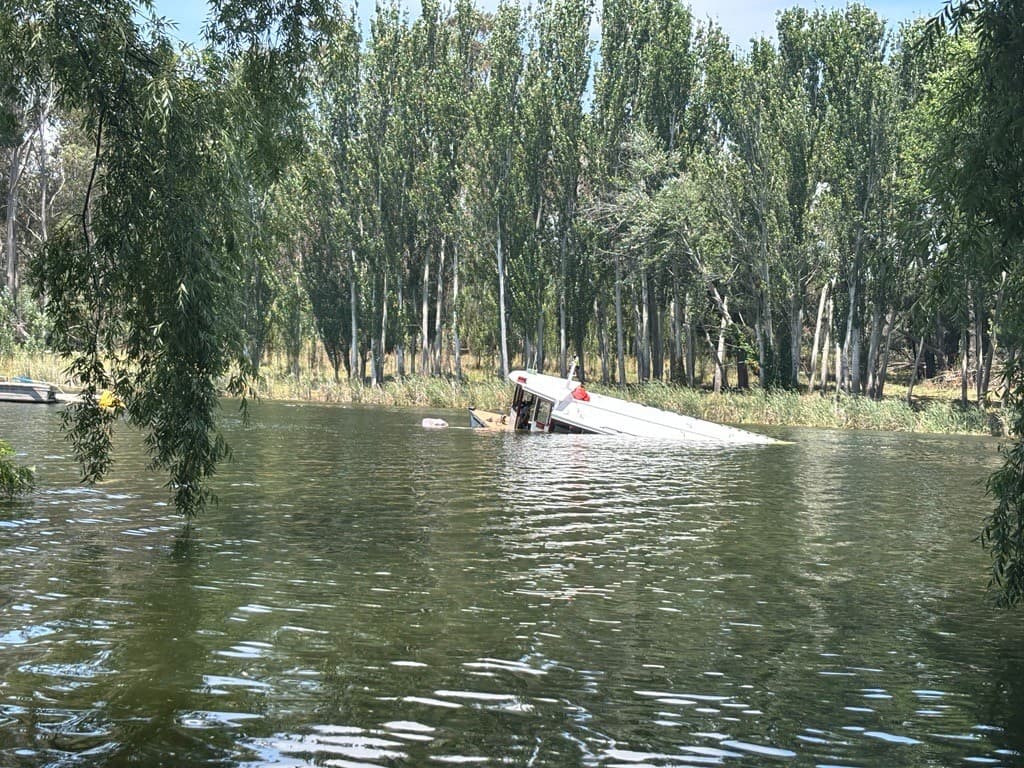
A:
x: 543, y: 403
x: 20, y: 389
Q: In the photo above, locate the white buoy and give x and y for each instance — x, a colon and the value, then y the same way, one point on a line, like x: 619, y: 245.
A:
x: 434, y: 424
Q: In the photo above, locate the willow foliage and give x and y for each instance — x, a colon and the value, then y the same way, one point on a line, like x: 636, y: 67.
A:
x: 15, y: 480
x: 147, y: 287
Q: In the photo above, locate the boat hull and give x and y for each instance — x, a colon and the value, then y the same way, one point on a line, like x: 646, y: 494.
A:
x: 490, y: 420
x: 28, y: 392
x: 569, y: 407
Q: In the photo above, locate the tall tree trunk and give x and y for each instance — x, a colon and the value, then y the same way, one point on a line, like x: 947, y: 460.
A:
x: 993, y: 341
x: 965, y: 364
x: 851, y: 339
x: 44, y: 169
x: 826, y: 345
x: 856, y: 378
x: 874, y: 346
x: 643, y: 357
x: 539, y: 341
x: 502, y: 318
x: 563, y: 321
x: 691, y: 344
x: 767, y: 343
x: 620, y: 341
x: 656, y: 347
x: 841, y: 367
x: 742, y: 374
x: 914, y: 369
x: 438, y: 312
x: 456, y: 338
x: 848, y: 337
x: 883, y: 372
x: 18, y: 155
x: 762, y: 352
x: 353, y: 349
x: 676, y: 369
x: 377, y: 341
x: 425, y: 316
x: 721, y: 379
x: 817, y: 335
x: 796, y: 332
x: 375, y: 373
x: 977, y: 310
x: 400, y: 335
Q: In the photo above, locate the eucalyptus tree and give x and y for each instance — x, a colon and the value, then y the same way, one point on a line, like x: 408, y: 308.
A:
x: 628, y: 218
x: 430, y: 180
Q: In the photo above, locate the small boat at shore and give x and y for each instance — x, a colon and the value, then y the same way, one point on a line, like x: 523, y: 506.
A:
x: 21, y: 389
x: 542, y: 403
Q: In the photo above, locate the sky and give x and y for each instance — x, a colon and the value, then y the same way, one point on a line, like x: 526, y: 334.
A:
x: 741, y: 19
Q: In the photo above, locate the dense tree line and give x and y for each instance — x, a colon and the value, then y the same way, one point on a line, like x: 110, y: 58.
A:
x: 503, y: 183
x: 819, y: 210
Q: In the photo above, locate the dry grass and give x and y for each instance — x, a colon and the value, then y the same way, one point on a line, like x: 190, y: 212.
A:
x: 936, y: 406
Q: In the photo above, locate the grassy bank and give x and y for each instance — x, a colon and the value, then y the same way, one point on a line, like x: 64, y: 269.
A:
x: 939, y: 415
x: 937, y: 412
x: 40, y: 366
x: 411, y: 391
x: 934, y: 414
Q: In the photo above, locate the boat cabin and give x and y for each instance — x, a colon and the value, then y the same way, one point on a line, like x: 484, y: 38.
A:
x: 542, y: 403
x: 533, y: 412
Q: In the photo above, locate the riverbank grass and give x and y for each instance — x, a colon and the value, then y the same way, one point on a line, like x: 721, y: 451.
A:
x: 936, y: 411
x: 783, y: 408
x: 483, y: 389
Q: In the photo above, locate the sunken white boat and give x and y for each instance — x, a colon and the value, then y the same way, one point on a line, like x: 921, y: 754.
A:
x: 543, y: 403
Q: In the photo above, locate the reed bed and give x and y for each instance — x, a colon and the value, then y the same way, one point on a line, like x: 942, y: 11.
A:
x: 408, y: 391
x: 777, y: 407
x: 484, y: 389
x: 42, y: 366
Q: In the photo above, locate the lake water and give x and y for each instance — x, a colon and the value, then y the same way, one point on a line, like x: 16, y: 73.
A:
x: 370, y: 593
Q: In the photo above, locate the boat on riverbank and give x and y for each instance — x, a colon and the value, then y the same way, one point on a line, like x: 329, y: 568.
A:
x: 542, y: 403
x: 20, y: 389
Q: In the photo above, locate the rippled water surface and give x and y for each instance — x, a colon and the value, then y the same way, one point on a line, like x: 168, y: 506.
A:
x: 369, y: 593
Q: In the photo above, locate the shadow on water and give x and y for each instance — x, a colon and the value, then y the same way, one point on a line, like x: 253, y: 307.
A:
x: 370, y: 593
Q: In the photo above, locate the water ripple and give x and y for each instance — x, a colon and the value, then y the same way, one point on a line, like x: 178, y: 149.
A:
x: 368, y: 594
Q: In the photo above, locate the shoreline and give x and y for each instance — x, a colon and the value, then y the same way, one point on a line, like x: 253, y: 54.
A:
x: 934, y: 410
x: 928, y: 415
